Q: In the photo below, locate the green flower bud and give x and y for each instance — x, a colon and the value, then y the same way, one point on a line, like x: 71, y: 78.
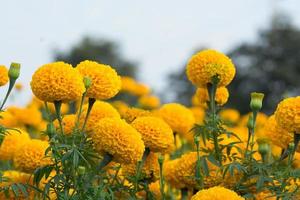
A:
x: 197, y: 140
x: 291, y: 146
x: 256, y: 101
x: 14, y: 71
x: 50, y: 129
x: 161, y: 159
x: 87, y: 81
x: 250, y: 123
x: 264, y: 148
x: 81, y: 170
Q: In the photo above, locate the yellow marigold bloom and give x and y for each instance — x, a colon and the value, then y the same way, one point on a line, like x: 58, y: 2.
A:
x: 209, y: 63
x: 221, y: 97
x: 68, y: 123
x: 38, y: 104
x: 3, y: 75
x: 169, y: 169
x: 31, y: 155
x: 26, y: 116
x: 230, y: 115
x: 150, y: 168
x: 57, y: 81
x: 100, y: 110
x: 156, y: 133
x: 128, y: 84
x: 132, y: 113
x: 279, y: 136
x: 119, y: 139
x: 7, y: 119
x: 288, y: 114
x: 179, y: 118
x: 141, y: 89
x: 216, y: 193
x: 199, y: 114
x: 12, y: 141
x: 19, y: 86
x: 105, y: 81
x: 149, y: 102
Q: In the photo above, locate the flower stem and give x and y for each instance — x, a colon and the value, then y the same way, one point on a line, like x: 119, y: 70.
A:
x: 80, y: 110
x: 57, y: 105
x: 161, y: 178
x: 10, y: 87
x: 140, y: 167
x: 90, y: 106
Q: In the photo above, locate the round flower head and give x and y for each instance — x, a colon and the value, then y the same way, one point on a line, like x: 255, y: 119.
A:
x: 156, y: 134
x: 230, y: 115
x: 117, y: 138
x: 288, y: 114
x: 57, y: 81
x: 149, y: 102
x: 221, y: 97
x: 150, y: 168
x: 100, y: 110
x: 169, y: 169
x: 128, y: 84
x: 105, y: 81
x: 26, y: 116
x: 3, y: 75
x: 216, y: 193
x: 68, y: 123
x: 179, y: 118
x: 204, y: 65
x: 132, y: 113
x: 12, y: 141
x: 31, y: 155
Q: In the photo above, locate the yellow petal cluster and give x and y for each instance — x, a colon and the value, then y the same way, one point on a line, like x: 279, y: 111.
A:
x: 209, y: 63
x: 3, y: 75
x: 288, y: 114
x: 100, y: 110
x: 199, y: 114
x: 129, y: 85
x: 26, y: 116
x: 105, y: 81
x: 7, y: 119
x: 132, y: 113
x: 149, y: 102
x: 12, y: 141
x: 230, y: 115
x: 156, y: 133
x: 216, y: 193
x: 31, y: 155
x: 221, y: 96
x: 169, y: 169
x: 68, y: 122
x: 57, y: 81
x: 179, y: 118
x: 150, y: 170
x: 117, y: 138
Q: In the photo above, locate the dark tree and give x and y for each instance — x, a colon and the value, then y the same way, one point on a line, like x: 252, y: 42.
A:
x: 103, y: 51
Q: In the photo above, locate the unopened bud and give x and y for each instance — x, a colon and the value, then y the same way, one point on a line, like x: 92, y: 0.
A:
x: 14, y: 71
x: 263, y: 148
x: 197, y: 140
x: 291, y: 146
x: 87, y: 81
x: 50, y: 129
x: 161, y: 159
x: 81, y: 170
x: 256, y: 101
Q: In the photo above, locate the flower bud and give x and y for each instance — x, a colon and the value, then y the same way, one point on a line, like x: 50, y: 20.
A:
x: 14, y: 71
x: 161, y: 159
x: 263, y: 148
x: 291, y: 146
x: 50, y: 129
x: 87, y: 81
x: 256, y: 101
x: 81, y: 170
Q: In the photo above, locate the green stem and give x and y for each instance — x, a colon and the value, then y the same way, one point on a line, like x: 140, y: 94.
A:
x: 90, y: 106
x: 80, y: 110
x: 253, y: 132
x: 140, y: 167
x: 57, y: 105
x: 161, y: 180
x: 10, y: 87
x: 199, y: 178
x: 184, y: 194
x: 296, y: 142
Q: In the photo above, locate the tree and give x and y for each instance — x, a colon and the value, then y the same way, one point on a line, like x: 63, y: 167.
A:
x: 270, y: 65
x: 103, y: 51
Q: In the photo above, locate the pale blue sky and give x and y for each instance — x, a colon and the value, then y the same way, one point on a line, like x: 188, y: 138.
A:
x: 160, y: 34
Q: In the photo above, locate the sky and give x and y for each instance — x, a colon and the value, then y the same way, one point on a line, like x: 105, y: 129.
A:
x: 159, y: 34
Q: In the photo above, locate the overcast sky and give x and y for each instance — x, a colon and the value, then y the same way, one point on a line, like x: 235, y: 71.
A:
x: 159, y: 34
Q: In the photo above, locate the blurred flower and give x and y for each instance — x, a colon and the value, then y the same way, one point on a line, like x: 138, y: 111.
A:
x: 18, y: 86
x: 132, y: 113
x: 149, y: 102
x: 230, y: 115
x: 26, y: 116
x: 68, y: 122
x: 3, y: 75
x: 199, y: 114
x: 221, y: 96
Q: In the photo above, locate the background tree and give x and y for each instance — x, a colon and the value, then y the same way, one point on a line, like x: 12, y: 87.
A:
x: 103, y: 51
x: 270, y: 65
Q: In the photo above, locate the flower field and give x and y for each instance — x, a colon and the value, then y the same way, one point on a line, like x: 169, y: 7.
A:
x: 79, y: 139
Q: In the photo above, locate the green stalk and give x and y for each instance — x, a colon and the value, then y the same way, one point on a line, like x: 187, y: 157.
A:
x: 199, y: 177
x: 90, y: 106
x: 184, y: 194
x: 57, y: 105
x: 161, y: 178
x: 140, y: 167
x: 10, y: 87
x: 80, y: 110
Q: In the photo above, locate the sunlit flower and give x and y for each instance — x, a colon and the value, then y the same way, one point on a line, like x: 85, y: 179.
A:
x: 149, y: 102
x: 3, y: 75
x: 216, y: 193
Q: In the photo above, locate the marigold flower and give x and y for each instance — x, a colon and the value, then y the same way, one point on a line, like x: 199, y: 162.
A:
x: 31, y: 155
x: 117, y: 138
x: 100, y: 110
x: 199, y: 114
x: 57, y: 81
x: 230, y: 115
x: 156, y: 133
x: 7, y: 119
x: 179, y: 118
x: 121, y: 106
x: 206, y: 64
x: 12, y: 141
x: 105, y: 81
x: 38, y: 104
x: 130, y: 86
x: 221, y: 96
x: 68, y: 122
x: 149, y: 102
x: 132, y: 113
x: 150, y: 168
x: 287, y: 114
x: 169, y: 169
x: 216, y: 193
x: 26, y: 116
x: 3, y: 75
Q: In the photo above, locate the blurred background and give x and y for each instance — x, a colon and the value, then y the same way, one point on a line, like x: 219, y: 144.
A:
x: 153, y: 40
